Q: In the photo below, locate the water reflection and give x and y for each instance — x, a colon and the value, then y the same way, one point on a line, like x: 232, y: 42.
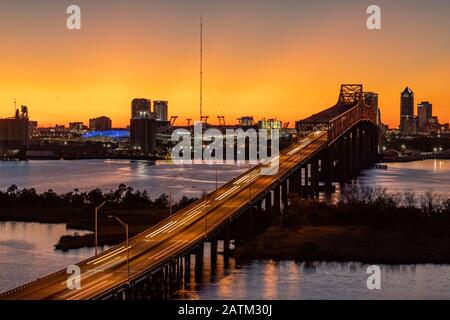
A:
x: 289, y: 280
x: 27, y: 252
x: 26, y: 249
x: 108, y: 174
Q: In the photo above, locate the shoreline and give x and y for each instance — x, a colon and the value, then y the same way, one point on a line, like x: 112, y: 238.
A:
x: 362, y: 244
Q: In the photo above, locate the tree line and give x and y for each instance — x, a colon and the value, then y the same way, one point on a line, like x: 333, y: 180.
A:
x: 123, y: 197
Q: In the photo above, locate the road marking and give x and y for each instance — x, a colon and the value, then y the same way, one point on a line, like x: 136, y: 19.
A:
x: 86, y: 291
x: 167, y: 225
x: 250, y: 177
x: 108, y: 254
x: 109, y: 257
x: 180, y: 223
x: 195, y: 208
x: 301, y: 146
x: 168, y: 249
x: 225, y: 194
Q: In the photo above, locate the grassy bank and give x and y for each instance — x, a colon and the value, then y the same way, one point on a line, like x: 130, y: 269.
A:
x: 369, y: 225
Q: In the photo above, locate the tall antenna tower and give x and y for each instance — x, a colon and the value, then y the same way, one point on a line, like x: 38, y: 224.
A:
x: 201, y: 68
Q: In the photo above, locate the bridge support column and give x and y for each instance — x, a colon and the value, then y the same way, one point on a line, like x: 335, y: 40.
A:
x: 358, y: 150
x: 293, y: 182
x: 314, y: 178
x: 268, y: 202
x: 199, y: 260
x: 213, y: 254
x: 355, y: 165
x: 276, y: 198
x: 307, y: 177
x: 166, y: 281
x: 342, y: 160
x: 284, y: 192
x: 187, y: 270
x: 226, y: 243
x: 301, y: 188
x: 363, y: 147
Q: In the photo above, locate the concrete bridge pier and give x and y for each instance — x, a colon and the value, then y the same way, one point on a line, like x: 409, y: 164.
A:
x: 364, y: 149
x: 293, y: 182
x: 314, y: 178
x: 329, y: 164
x: 345, y: 159
x: 301, y: 187
x: 199, y: 253
x: 268, y: 203
x: 187, y: 270
x: 284, y: 195
x: 213, y: 254
x: 277, y: 198
x: 226, y: 242
x: 306, y: 188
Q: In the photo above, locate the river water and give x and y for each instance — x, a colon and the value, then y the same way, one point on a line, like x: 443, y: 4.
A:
x: 26, y: 249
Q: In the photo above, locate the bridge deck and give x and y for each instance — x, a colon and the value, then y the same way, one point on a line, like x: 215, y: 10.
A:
x: 174, y: 236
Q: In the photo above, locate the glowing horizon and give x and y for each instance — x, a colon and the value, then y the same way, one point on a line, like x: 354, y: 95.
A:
x: 268, y: 59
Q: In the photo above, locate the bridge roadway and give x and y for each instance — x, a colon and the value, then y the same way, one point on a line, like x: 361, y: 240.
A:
x: 174, y: 236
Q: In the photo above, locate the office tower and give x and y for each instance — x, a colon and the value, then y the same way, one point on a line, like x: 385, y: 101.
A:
x: 161, y: 110
x: 100, y: 124
x: 141, y: 108
x: 407, y: 121
x: 143, y: 136
x: 425, y: 113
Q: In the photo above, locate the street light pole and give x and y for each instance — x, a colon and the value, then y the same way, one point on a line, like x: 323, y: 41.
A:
x: 125, y: 225
x: 96, y: 224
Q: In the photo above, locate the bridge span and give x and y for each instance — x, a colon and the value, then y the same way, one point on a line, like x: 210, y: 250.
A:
x: 333, y: 147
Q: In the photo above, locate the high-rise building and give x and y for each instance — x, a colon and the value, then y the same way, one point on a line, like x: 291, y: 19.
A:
x: 407, y: 121
x: 425, y: 113
x: 141, y: 108
x: 143, y: 136
x: 100, y: 124
x: 161, y: 110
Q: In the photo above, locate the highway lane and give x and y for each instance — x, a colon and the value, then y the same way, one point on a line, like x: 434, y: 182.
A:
x: 173, y: 235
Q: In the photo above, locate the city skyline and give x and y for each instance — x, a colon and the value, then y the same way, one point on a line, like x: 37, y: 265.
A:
x: 288, y: 67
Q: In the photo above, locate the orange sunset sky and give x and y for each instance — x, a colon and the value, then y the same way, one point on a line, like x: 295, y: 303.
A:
x: 266, y: 58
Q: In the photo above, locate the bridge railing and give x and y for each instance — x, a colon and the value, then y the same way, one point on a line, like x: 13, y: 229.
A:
x: 340, y: 124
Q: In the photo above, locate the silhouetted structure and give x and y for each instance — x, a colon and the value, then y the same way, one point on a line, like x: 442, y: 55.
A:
x: 141, y: 108
x: 143, y: 136
x: 407, y: 120
x: 14, y: 132
x: 100, y: 124
x: 425, y: 113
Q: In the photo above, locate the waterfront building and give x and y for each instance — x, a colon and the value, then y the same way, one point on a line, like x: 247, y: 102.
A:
x: 143, y: 136
x: 15, y: 132
x: 100, y: 124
